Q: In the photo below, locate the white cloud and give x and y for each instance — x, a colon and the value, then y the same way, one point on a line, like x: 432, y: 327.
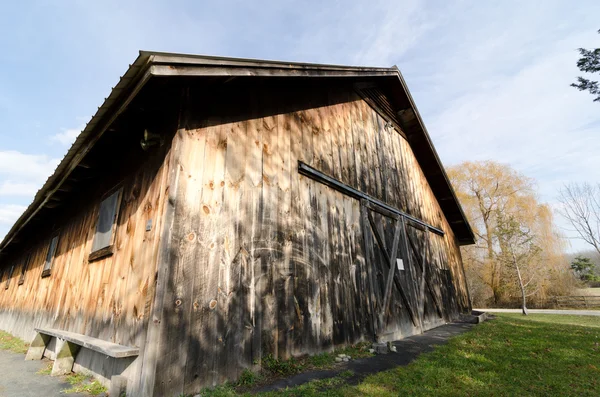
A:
x: 9, y: 213
x: 21, y: 175
x: 497, y: 87
x: 23, y: 167
x: 67, y: 137
x: 370, y: 33
x: 10, y: 188
x: 532, y: 120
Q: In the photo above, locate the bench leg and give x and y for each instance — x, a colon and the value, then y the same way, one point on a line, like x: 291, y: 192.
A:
x: 37, y: 347
x: 118, y: 386
x: 65, y: 357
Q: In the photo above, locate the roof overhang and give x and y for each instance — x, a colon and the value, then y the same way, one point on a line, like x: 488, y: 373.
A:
x: 154, y: 64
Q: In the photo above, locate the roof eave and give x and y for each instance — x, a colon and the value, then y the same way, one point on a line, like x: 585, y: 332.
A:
x: 149, y: 64
x: 112, y: 106
x: 470, y: 239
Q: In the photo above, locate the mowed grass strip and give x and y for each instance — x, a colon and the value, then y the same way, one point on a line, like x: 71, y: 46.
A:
x: 12, y: 343
x: 512, y: 355
x: 537, y: 355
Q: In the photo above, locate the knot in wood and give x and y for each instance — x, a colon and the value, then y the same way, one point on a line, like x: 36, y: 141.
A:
x: 191, y: 236
x: 213, y: 304
x: 178, y: 302
x: 206, y: 209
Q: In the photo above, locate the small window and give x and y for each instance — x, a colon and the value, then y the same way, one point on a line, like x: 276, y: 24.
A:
x: 105, y: 228
x: 10, y: 274
x: 24, y: 269
x: 50, y: 256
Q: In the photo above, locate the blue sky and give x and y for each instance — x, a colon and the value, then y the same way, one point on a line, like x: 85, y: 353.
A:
x: 491, y: 79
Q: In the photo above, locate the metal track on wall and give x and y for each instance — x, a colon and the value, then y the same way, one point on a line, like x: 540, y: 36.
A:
x: 341, y: 187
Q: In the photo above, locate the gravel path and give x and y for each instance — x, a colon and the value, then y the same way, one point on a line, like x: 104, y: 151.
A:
x: 545, y: 311
x: 19, y: 378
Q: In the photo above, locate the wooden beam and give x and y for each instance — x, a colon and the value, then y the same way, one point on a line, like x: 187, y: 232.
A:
x: 186, y: 70
x: 65, y: 188
x: 341, y: 187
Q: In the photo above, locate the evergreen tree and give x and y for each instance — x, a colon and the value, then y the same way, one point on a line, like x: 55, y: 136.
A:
x: 589, y: 63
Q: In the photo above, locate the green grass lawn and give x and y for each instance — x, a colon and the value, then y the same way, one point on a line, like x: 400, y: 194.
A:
x: 14, y: 344
x: 537, y: 355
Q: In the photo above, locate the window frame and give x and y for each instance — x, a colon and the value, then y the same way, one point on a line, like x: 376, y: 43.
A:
x: 10, y: 274
x: 47, y: 272
x: 109, y: 249
x: 24, y: 268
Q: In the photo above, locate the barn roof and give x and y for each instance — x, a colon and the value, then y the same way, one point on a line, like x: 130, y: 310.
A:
x: 397, y: 103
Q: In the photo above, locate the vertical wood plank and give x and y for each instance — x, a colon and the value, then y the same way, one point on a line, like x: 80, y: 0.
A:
x: 285, y: 289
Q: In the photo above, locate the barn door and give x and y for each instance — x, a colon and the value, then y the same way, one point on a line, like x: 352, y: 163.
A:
x: 426, y: 273
x: 392, y: 294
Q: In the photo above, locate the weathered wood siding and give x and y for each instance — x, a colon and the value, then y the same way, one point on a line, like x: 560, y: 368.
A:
x: 265, y: 261
x: 108, y: 298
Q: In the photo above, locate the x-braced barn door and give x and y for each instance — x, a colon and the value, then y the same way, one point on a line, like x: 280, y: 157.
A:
x: 426, y: 273
x: 400, y: 285
x: 385, y: 252
x: 402, y: 277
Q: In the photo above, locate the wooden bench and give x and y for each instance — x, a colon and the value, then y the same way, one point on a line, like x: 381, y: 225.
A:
x: 68, y: 345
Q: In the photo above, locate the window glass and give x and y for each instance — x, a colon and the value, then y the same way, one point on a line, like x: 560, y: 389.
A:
x: 50, y: 254
x: 106, y: 219
x: 10, y: 274
x: 24, y: 268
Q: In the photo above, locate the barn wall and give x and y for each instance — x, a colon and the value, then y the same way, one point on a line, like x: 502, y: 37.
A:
x: 110, y: 298
x: 265, y: 261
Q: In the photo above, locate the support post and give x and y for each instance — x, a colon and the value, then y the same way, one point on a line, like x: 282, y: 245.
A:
x: 118, y: 386
x: 65, y: 357
x: 37, y: 347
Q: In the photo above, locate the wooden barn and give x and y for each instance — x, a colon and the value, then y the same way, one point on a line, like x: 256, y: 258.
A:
x: 217, y: 211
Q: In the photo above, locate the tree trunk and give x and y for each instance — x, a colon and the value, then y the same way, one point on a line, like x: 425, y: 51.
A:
x: 485, y: 213
x: 496, y: 295
x: 524, y: 302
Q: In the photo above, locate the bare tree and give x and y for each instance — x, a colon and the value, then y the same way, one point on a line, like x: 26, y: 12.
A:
x: 581, y: 207
x: 519, y: 252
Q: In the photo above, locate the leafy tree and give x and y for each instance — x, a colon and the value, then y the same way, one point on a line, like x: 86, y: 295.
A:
x: 490, y: 193
x: 484, y: 189
x: 584, y: 268
x: 589, y: 63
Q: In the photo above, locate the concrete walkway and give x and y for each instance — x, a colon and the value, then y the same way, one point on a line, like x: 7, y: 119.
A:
x: 18, y: 378
x: 545, y: 311
x: 408, y: 349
